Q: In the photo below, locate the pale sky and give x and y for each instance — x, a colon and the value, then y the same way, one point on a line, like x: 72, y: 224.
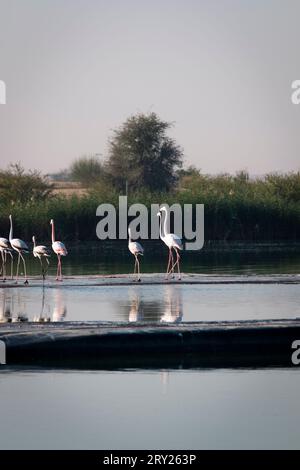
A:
x: 220, y: 70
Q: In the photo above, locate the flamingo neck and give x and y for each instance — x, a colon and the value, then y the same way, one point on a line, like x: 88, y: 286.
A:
x: 129, y: 235
x: 53, y: 233
x: 160, y: 228
x: 165, y: 222
x: 11, y: 230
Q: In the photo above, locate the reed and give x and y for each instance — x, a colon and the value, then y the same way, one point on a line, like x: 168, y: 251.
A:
x: 236, y: 208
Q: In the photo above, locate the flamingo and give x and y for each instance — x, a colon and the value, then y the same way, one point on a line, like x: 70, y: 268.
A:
x: 20, y: 247
x: 59, y: 249
x: 136, y: 249
x: 41, y: 251
x: 5, y: 250
x: 172, y: 241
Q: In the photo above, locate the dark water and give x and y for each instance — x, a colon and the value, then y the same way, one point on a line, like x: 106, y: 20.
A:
x: 113, y: 258
x: 162, y: 409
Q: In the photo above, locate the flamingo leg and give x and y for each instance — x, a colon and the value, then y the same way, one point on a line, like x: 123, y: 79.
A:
x: 47, y: 267
x: 11, y: 265
x: 2, y: 267
x: 60, y: 268
x: 134, y: 271
x: 170, y: 269
x: 58, y: 256
x: 138, y: 266
x: 42, y: 267
x: 18, y: 264
x: 172, y: 264
x: 169, y: 262
x: 25, y: 273
x: 177, y: 262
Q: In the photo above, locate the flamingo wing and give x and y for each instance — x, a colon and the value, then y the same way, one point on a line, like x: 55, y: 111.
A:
x: 19, y: 245
x: 41, y: 250
x: 59, y: 248
x: 177, y: 242
x: 173, y: 241
x: 136, y: 248
x: 4, y: 243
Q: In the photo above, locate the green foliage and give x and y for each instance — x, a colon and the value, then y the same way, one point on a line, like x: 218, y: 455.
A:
x: 17, y: 185
x: 141, y: 155
x: 285, y: 186
x: 240, y: 208
x: 87, y: 170
x: 236, y: 208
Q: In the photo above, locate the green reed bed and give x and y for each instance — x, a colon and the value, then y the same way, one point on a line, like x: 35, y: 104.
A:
x: 236, y: 208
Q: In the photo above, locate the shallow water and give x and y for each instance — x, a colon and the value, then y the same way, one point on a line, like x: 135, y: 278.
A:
x: 151, y: 303
x: 160, y: 409
x: 209, y: 409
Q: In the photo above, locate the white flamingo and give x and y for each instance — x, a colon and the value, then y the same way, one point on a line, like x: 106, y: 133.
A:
x: 20, y: 247
x: 172, y: 241
x: 59, y: 249
x: 136, y: 249
x: 40, y: 252
x: 5, y: 250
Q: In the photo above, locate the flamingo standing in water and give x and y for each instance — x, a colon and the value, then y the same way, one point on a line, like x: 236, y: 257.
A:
x: 60, y: 250
x: 20, y: 247
x: 5, y: 250
x: 136, y: 249
x: 172, y: 241
x: 41, y: 251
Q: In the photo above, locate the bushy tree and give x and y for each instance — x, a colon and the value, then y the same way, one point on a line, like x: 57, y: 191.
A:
x: 87, y: 170
x: 17, y: 185
x: 142, y: 156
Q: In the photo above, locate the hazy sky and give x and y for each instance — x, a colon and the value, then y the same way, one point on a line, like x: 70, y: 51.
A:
x: 221, y: 70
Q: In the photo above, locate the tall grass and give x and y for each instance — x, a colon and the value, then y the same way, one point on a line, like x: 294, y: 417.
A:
x: 236, y: 208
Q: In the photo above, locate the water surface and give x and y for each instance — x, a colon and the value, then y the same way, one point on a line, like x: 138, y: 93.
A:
x: 221, y: 258
x: 151, y: 303
x: 211, y: 409
x: 159, y: 409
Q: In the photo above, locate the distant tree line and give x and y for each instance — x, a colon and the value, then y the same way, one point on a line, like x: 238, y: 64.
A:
x: 146, y: 164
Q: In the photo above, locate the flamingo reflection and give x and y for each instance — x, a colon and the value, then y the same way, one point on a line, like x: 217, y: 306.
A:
x: 12, y: 307
x: 173, y: 311
x: 59, y: 310
x: 165, y: 308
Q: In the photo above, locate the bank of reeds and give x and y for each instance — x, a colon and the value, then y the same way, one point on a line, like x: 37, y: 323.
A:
x: 236, y: 208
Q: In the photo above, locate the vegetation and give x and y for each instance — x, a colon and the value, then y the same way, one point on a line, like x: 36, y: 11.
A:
x: 18, y: 186
x: 87, y: 170
x: 236, y: 208
x: 142, y: 156
x: 143, y: 159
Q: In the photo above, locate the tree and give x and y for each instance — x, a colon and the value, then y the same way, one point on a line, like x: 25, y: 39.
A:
x: 87, y: 170
x: 17, y: 185
x: 143, y: 156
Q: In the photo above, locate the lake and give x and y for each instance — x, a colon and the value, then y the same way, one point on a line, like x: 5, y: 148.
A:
x: 158, y: 409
